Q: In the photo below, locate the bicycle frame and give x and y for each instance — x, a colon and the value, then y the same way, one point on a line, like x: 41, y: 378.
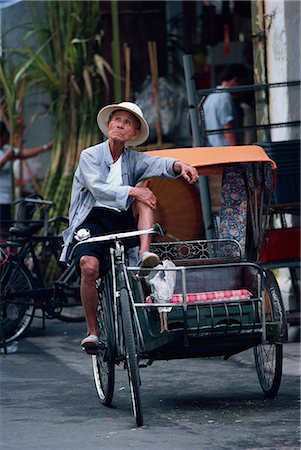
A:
x: 118, y: 330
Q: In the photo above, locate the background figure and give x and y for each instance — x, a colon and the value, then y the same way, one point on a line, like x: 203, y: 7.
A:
x: 8, y: 154
x: 223, y: 111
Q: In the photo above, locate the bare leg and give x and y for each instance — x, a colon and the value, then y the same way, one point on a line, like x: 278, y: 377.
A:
x: 89, y: 266
x: 145, y: 217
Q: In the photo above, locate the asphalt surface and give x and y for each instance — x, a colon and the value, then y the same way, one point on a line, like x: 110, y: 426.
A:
x: 48, y: 401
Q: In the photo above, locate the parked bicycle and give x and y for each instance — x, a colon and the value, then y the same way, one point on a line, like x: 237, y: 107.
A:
x: 31, y: 277
x: 117, y: 321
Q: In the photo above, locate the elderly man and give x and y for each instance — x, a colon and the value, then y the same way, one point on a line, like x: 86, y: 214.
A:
x: 105, y: 198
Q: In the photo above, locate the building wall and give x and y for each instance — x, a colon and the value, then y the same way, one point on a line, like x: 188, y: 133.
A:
x: 283, y: 64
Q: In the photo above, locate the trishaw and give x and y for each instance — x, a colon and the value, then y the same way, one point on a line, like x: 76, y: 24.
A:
x: 221, y: 302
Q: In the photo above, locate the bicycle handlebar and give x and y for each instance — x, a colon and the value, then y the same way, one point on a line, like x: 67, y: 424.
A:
x: 156, y: 229
x: 122, y: 235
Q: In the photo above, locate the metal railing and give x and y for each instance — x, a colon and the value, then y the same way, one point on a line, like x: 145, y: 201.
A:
x: 196, y: 98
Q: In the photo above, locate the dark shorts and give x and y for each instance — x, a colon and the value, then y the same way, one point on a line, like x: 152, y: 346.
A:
x: 102, y: 221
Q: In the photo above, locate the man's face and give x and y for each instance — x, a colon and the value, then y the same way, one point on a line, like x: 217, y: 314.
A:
x: 233, y: 82
x: 123, y: 126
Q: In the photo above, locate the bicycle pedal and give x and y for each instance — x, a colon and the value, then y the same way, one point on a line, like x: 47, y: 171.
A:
x: 90, y: 351
x: 102, y: 349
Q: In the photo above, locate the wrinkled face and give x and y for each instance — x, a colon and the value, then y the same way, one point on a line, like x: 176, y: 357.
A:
x: 123, y: 126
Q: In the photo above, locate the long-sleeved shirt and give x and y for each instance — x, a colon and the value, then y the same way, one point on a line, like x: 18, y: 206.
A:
x: 90, y: 185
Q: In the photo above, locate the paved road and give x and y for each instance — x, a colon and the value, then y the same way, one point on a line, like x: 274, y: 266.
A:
x: 49, y: 401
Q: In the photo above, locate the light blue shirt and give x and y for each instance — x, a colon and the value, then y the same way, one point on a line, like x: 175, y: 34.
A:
x: 218, y: 112
x: 90, y: 185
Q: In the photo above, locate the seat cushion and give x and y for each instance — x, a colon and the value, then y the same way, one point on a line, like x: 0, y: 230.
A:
x: 237, y: 294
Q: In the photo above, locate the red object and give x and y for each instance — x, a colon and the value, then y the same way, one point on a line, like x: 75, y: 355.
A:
x: 281, y: 244
x: 217, y: 296
x: 238, y: 294
x: 227, y: 46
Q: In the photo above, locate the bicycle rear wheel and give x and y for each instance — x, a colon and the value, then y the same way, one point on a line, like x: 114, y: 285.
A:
x: 131, y: 357
x: 269, y: 355
x: 268, y: 361
x: 17, y: 311
x: 103, y: 362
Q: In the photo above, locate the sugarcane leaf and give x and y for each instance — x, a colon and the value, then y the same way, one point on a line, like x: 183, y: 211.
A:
x: 101, y: 66
x: 75, y: 85
x: 4, y: 82
x: 88, y: 84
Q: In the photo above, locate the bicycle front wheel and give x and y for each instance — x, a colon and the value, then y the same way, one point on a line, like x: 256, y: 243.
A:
x: 131, y: 357
x: 17, y: 310
x: 103, y: 362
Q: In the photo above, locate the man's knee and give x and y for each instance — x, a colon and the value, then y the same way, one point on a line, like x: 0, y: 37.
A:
x: 89, y: 267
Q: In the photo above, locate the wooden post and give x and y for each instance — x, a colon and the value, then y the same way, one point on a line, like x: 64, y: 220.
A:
x: 259, y: 57
x: 127, y: 57
x: 115, y: 50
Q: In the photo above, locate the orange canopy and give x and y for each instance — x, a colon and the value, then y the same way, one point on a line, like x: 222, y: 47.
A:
x: 210, y: 159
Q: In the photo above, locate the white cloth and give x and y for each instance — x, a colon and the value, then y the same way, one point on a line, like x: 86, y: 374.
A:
x: 114, y: 179
x: 163, y: 284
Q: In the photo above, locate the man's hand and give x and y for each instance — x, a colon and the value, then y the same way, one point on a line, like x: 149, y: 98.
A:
x: 144, y: 195
x: 188, y: 172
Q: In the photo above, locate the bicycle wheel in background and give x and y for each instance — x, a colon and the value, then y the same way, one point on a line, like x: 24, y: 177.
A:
x: 269, y: 355
x: 131, y: 357
x: 103, y: 362
x: 66, y: 304
x: 16, y: 311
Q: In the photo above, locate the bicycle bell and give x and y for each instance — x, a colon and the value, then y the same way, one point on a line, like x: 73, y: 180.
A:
x: 82, y: 234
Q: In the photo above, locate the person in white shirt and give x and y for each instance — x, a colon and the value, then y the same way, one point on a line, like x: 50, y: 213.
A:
x: 222, y: 111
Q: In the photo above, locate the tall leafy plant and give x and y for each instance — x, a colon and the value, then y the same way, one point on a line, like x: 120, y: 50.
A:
x: 67, y: 65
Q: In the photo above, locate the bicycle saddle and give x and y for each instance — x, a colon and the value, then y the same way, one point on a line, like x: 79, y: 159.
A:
x: 26, y: 230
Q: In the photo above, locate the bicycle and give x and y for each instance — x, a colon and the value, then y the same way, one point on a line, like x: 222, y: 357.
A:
x: 118, y: 330
x: 24, y: 261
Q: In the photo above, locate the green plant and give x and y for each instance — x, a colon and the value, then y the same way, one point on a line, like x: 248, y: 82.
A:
x: 66, y: 64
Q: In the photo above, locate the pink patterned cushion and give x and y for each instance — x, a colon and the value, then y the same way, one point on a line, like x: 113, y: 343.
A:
x: 238, y: 294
